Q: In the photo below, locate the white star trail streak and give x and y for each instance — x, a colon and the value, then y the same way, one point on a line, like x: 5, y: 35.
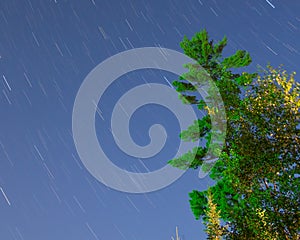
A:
x: 270, y: 3
x: 8, y: 86
x: 4, y: 195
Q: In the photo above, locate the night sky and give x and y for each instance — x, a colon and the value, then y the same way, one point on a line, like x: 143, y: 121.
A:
x: 47, y: 48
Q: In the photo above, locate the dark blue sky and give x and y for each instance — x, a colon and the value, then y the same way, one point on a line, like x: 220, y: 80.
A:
x: 46, y: 50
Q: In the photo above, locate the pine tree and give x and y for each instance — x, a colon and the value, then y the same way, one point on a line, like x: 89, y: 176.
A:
x: 209, y: 56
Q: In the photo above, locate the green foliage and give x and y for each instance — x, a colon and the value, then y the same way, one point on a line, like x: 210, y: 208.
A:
x: 198, y: 202
x: 202, y: 50
x: 183, y: 86
x: 239, y: 59
x: 245, y: 78
x: 191, y: 159
x: 257, y: 173
x: 209, y: 56
x: 199, y: 129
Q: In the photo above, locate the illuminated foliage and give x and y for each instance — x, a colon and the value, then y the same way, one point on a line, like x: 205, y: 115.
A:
x: 257, y: 174
x: 213, y: 225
